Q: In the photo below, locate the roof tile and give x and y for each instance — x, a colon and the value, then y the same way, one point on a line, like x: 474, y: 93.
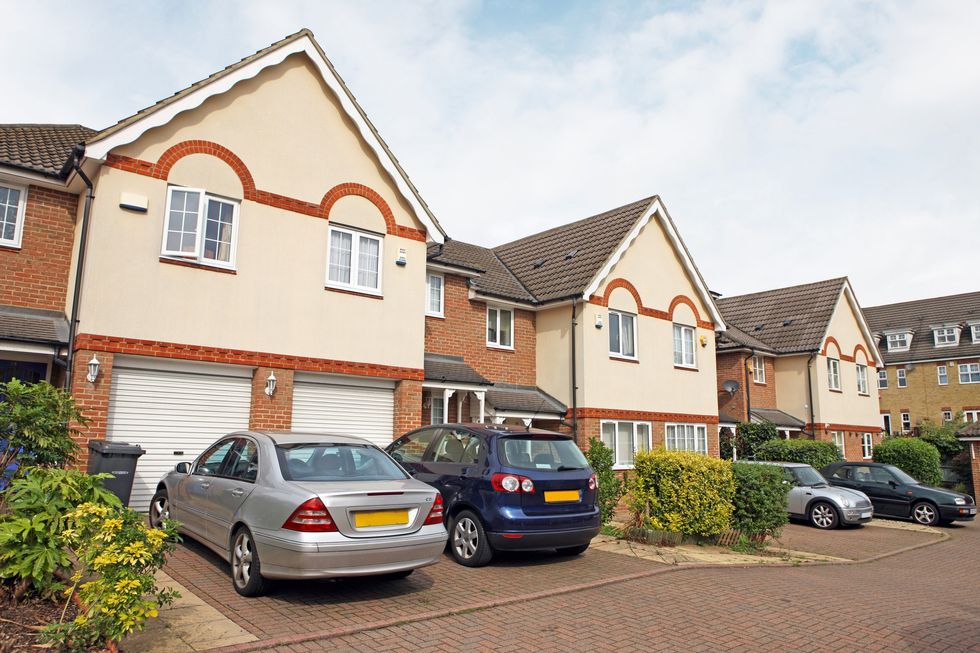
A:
x: 40, y: 148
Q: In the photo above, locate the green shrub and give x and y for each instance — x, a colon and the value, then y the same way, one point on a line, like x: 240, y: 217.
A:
x: 610, y: 487
x: 759, y: 500
x: 681, y: 492
x: 915, y: 457
x: 816, y: 453
x: 943, y: 436
x: 35, y: 425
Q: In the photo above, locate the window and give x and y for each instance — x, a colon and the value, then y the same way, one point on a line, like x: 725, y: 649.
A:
x: 622, y: 334
x: 210, y: 462
x: 243, y: 462
x: 947, y: 336
x: 899, y: 341
x: 687, y: 437
x: 683, y: 346
x: 839, y: 441
x: 862, y: 378
x: 625, y: 439
x: 975, y: 331
x: 970, y: 373
x: 882, y: 379
x: 867, y: 445
x: 906, y: 422
x: 200, y: 227
x: 438, y: 409
x: 354, y: 260
x: 941, y: 373
x: 538, y: 452
x: 12, y: 201
x: 971, y: 415
x: 457, y: 447
x: 903, y: 382
x: 759, y: 369
x: 833, y: 374
x: 411, y: 448
x: 886, y: 422
x: 500, y: 327
x: 433, y: 299
x: 947, y: 416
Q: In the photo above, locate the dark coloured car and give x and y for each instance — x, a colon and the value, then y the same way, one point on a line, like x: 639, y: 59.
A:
x: 504, y: 488
x: 896, y: 494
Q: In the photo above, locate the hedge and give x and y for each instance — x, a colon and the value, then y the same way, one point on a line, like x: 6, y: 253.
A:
x: 816, y: 453
x: 610, y: 488
x: 747, y: 436
x: 915, y: 457
x: 759, y: 500
x: 682, y: 492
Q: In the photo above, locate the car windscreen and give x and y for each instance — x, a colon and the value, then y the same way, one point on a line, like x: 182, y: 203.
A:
x: 336, y: 462
x: 536, y: 452
x: 901, y: 476
x: 808, y: 476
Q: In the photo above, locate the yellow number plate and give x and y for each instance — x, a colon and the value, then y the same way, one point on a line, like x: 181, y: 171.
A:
x: 561, y: 496
x: 380, y: 518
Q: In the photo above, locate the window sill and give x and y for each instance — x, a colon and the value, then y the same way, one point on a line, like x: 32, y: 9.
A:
x: 623, y: 359
x: 864, y: 394
x: 196, y: 264
x: 356, y: 293
x: 509, y: 350
x: 838, y: 391
x: 687, y: 368
x: 901, y: 387
x: 758, y: 383
x: 438, y: 316
x: 12, y: 246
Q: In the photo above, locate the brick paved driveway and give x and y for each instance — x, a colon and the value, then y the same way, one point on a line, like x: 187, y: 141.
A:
x: 921, y: 600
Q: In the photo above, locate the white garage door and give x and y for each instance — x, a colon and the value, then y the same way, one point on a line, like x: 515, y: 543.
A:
x: 174, y: 416
x: 330, y: 405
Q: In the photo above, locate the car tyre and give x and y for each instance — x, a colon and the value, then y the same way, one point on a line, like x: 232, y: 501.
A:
x: 925, y: 513
x: 246, y: 569
x: 573, y: 550
x: 159, y: 510
x: 468, y: 540
x: 823, y: 515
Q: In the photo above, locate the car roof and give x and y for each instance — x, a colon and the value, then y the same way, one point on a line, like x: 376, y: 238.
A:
x: 502, y: 429
x: 310, y: 437
x: 775, y: 462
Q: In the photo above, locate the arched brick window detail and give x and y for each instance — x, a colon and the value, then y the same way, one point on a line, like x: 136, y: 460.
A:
x: 622, y: 283
x: 368, y: 193
x: 161, y: 170
x: 831, y: 340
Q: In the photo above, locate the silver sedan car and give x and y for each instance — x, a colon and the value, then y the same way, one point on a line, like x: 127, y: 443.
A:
x: 812, y: 498
x: 303, y: 505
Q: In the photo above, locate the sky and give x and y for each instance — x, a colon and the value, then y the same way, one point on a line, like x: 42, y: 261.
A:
x: 790, y: 141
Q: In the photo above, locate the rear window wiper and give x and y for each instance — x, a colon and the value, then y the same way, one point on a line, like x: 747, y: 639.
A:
x: 568, y: 468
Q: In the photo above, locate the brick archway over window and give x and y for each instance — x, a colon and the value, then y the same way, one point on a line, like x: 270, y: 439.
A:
x: 177, y: 152
x: 622, y: 283
x: 831, y: 340
x: 867, y: 357
x: 360, y: 190
x: 684, y: 299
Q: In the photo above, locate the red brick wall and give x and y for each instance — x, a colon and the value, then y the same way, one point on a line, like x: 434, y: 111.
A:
x: 590, y: 427
x: 974, y: 449
x: 852, y: 439
x: 731, y: 367
x: 92, y: 399
x: 463, y: 332
x: 408, y: 407
x: 273, y: 413
x: 36, y: 275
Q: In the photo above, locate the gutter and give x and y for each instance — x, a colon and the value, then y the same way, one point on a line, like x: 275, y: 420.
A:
x: 574, y: 375
x: 77, y: 153
x: 809, y: 387
x: 748, y: 391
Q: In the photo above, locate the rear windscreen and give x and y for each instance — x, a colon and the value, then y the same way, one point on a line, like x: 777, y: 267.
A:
x: 336, y: 462
x: 541, y: 453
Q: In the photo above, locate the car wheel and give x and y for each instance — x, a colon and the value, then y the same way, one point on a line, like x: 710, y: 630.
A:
x: 246, y: 570
x: 468, y: 540
x: 159, y: 509
x: 824, y: 516
x: 572, y: 550
x: 925, y: 513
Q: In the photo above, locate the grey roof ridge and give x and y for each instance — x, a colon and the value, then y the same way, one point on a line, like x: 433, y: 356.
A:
x: 534, y: 300
x: 924, y: 299
x: 771, y: 290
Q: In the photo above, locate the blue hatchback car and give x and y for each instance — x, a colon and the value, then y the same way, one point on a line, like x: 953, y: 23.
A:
x: 504, y: 488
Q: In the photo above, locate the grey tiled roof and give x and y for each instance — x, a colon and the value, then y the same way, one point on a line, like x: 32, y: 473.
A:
x: 452, y: 369
x: 788, y: 320
x: 524, y: 399
x: 33, y: 325
x: 495, y: 278
x: 971, y: 430
x: 735, y: 338
x: 920, y: 316
x: 44, y: 149
x: 777, y: 417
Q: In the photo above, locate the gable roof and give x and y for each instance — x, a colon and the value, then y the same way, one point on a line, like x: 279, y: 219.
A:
x: 494, y: 279
x: 131, y: 128
x: 734, y: 338
x: 920, y: 316
x: 44, y: 149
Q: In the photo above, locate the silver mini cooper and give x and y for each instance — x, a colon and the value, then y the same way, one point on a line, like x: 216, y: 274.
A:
x: 812, y: 498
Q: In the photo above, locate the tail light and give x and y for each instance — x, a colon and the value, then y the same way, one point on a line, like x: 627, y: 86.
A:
x: 311, y: 517
x: 435, y: 513
x: 512, y: 483
x: 592, y: 482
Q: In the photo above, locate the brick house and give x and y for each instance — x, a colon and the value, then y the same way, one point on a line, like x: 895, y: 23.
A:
x: 931, y: 351
x: 603, y: 326
x: 801, y: 358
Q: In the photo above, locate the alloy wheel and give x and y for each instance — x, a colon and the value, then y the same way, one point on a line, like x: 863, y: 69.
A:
x: 241, y: 561
x: 159, y: 511
x: 466, y: 538
x: 822, y: 516
x: 924, y: 514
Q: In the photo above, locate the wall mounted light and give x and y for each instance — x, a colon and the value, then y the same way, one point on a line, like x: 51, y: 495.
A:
x: 598, y: 320
x: 270, y: 384
x: 704, y: 341
x: 93, y: 370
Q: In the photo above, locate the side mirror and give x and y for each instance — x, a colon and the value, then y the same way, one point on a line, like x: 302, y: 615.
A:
x: 893, y: 484
x: 183, y: 468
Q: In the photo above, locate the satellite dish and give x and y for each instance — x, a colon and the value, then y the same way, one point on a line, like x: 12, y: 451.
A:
x: 909, y: 367
x: 731, y: 387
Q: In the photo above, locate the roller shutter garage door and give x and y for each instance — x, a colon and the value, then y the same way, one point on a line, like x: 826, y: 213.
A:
x: 362, y: 408
x: 174, y: 416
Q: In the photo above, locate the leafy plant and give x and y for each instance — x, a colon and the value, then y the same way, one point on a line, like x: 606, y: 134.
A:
x: 35, y: 425
x: 759, y: 500
x: 681, y: 492
x: 914, y: 456
x: 748, y: 436
x: 610, y: 486
x: 943, y: 436
x: 816, y: 453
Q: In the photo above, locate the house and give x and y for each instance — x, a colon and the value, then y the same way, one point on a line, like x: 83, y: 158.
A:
x: 801, y: 358
x: 931, y: 351
x: 251, y: 255
x: 603, y: 327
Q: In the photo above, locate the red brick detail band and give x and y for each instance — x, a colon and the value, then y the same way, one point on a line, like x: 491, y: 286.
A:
x: 843, y: 427
x: 831, y: 340
x: 615, y: 413
x: 161, y: 170
x: 867, y: 357
x: 668, y: 315
x: 159, y: 349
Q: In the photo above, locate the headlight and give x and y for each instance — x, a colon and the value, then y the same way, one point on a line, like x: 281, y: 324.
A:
x: 846, y: 502
x: 960, y: 501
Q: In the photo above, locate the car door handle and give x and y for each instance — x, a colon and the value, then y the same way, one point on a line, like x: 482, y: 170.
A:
x: 205, y: 484
x: 237, y: 492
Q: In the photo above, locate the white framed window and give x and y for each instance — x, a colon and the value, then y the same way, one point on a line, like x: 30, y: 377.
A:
x: 500, y: 327
x: 354, y: 260
x: 947, y: 416
x: 13, y: 200
x: 946, y: 336
x: 971, y: 415
x: 906, y: 422
x: 759, y: 369
x: 684, y: 346
x: 839, y: 441
x: 867, y: 445
x: 862, y: 378
x: 686, y: 437
x: 625, y: 439
x: 975, y: 333
x: 833, y: 374
x: 902, y: 379
x: 437, y: 408
x: 970, y: 373
x: 899, y: 341
x: 200, y: 227
x: 435, y: 295
x: 942, y: 376
x: 883, y: 379
x: 622, y: 334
